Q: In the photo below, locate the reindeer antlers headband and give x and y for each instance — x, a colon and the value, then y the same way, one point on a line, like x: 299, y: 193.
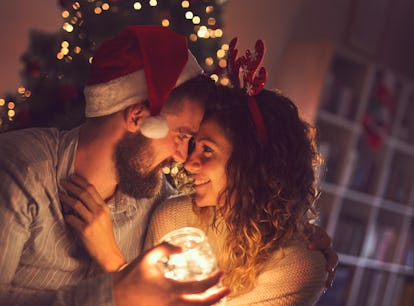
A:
x: 242, y: 74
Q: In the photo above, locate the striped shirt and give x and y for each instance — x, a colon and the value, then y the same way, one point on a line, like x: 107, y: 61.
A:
x: 42, y: 262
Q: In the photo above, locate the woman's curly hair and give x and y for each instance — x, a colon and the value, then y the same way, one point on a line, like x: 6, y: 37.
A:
x: 271, y: 187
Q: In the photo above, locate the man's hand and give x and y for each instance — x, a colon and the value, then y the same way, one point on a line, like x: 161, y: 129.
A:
x: 92, y: 223
x: 143, y: 283
x: 320, y: 241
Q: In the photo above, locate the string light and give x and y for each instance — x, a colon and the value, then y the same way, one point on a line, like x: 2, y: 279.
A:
x: 77, y: 49
x: 189, y: 15
x: 193, y: 37
x: 21, y: 90
x: 218, y: 32
x: 203, y: 32
x: 11, y: 105
x: 222, y: 63
x: 196, y: 20
x: 209, y: 61
x: 67, y: 27
x: 2, y: 102
x: 165, y: 22
x: 65, y: 14
x: 137, y: 6
x: 221, y: 53
x: 76, y: 6
x: 209, y: 9
x: 97, y: 10
x: 214, y: 77
x: 105, y: 6
x: 65, y: 44
x: 211, y: 21
x: 224, y: 81
x: 153, y: 3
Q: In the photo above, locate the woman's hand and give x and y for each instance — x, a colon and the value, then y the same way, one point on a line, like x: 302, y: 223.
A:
x: 320, y: 241
x: 92, y: 223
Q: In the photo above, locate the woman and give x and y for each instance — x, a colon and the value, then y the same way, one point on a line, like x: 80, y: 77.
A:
x: 253, y: 200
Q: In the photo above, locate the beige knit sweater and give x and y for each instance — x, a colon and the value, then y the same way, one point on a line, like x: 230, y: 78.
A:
x: 293, y: 276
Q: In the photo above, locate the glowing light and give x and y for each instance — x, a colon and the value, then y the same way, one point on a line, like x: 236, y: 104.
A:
x: 90, y: 60
x: 11, y: 105
x: 153, y: 3
x: 189, y: 15
x: 224, y: 81
x: 79, y: 14
x: 222, y: 63
x: 97, y: 10
x: 60, y: 55
x: 21, y: 90
x: 74, y: 20
x: 64, y: 44
x: 105, y: 6
x: 65, y: 51
x: 68, y: 27
x: 202, y: 32
x: 193, y: 37
x: 209, y: 9
x: 2, y: 102
x: 76, y: 6
x: 225, y: 47
x: 214, y: 77
x: 218, y: 32
x: 211, y: 21
x: 209, y: 61
x: 185, y: 4
x: 165, y: 22
x: 11, y: 113
x: 77, y: 49
x: 196, y: 20
x: 28, y: 93
x: 221, y: 53
x: 65, y: 14
x: 137, y: 6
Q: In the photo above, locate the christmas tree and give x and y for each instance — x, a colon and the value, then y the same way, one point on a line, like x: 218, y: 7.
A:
x: 56, y: 66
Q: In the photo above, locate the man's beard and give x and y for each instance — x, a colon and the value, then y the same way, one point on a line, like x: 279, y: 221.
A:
x: 133, y: 161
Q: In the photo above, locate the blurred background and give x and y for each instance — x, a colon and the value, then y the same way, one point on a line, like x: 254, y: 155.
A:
x: 348, y: 64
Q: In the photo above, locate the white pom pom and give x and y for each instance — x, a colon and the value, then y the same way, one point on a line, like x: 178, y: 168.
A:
x: 154, y: 127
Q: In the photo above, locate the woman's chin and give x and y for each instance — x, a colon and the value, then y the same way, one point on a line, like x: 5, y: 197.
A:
x: 203, y: 202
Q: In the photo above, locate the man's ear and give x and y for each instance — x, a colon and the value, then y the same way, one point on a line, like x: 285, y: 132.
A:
x: 133, y: 116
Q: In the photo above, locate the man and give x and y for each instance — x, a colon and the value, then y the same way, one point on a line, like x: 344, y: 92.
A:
x: 126, y: 140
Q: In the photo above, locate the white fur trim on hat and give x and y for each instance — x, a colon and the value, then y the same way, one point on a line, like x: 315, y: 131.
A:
x: 117, y: 94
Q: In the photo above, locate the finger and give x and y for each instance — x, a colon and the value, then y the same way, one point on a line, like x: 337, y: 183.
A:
x: 74, y: 222
x: 204, y: 299
x: 192, y: 287
x: 77, y: 206
x: 159, y: 252
x: 82, y: 195
x: 331, y: 259
x: 84, y: 184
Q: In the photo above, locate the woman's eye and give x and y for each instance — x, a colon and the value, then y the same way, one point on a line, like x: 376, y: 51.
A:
x: 207, y: 151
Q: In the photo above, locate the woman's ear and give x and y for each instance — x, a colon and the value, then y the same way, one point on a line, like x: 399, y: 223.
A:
x: 133, y: 116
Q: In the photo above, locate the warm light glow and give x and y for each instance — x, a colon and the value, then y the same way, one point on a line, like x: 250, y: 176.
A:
x: 218, y: 33
x: 221, y: 53
x: 76, y: 6
x: 77, y: 49
x: 65, y: 51
x: 209, y: 61
x: 165, y: 22
x: 11, y: 113
x: 59, y: 55
x: 21, y: 90
x: 185, y: 4
x: 214, y: 77
x: 2, y: 102
x: 209, y: 9
x: 90, y: 60
x: 74, y: 20
x: 105, y: 6
x: 224, y: 81
x: 67, y: 27
x: 193, y: 37
x: 11, y: 105
x: 211, y: 21
x: 137, y: 6
x: 222, y: 63
x: 189, y: 15
x: 196, y: 20
x: 97, y: 10
x: 153, y: 2
x: 28, y: 93
x: 65, y: 14
x: 225, y: 47
x: 64, y: 44
x: 203, y: 32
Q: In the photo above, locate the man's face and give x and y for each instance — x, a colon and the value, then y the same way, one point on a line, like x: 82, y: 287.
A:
x: 139, y: 160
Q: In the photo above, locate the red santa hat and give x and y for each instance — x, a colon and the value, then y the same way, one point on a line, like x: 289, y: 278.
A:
x: 141, y: 63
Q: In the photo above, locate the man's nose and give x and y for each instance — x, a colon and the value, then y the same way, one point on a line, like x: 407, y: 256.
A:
x: 181, y: 153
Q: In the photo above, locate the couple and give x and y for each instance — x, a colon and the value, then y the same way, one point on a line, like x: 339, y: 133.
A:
x: 41, y: 259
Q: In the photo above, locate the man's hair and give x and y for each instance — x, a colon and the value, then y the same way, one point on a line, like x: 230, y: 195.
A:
x: 198, y: 89
x: 270, y: 186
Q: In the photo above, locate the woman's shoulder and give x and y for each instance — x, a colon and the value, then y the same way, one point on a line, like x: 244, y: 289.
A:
x: 173, y: 206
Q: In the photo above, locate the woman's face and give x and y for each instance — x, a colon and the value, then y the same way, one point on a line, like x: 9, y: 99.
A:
x: 207, y: 163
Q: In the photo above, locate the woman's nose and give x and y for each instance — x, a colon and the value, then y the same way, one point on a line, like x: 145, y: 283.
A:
x: 192, y: 164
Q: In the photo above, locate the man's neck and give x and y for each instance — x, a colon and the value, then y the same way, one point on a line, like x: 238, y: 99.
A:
x: 94, y: 157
